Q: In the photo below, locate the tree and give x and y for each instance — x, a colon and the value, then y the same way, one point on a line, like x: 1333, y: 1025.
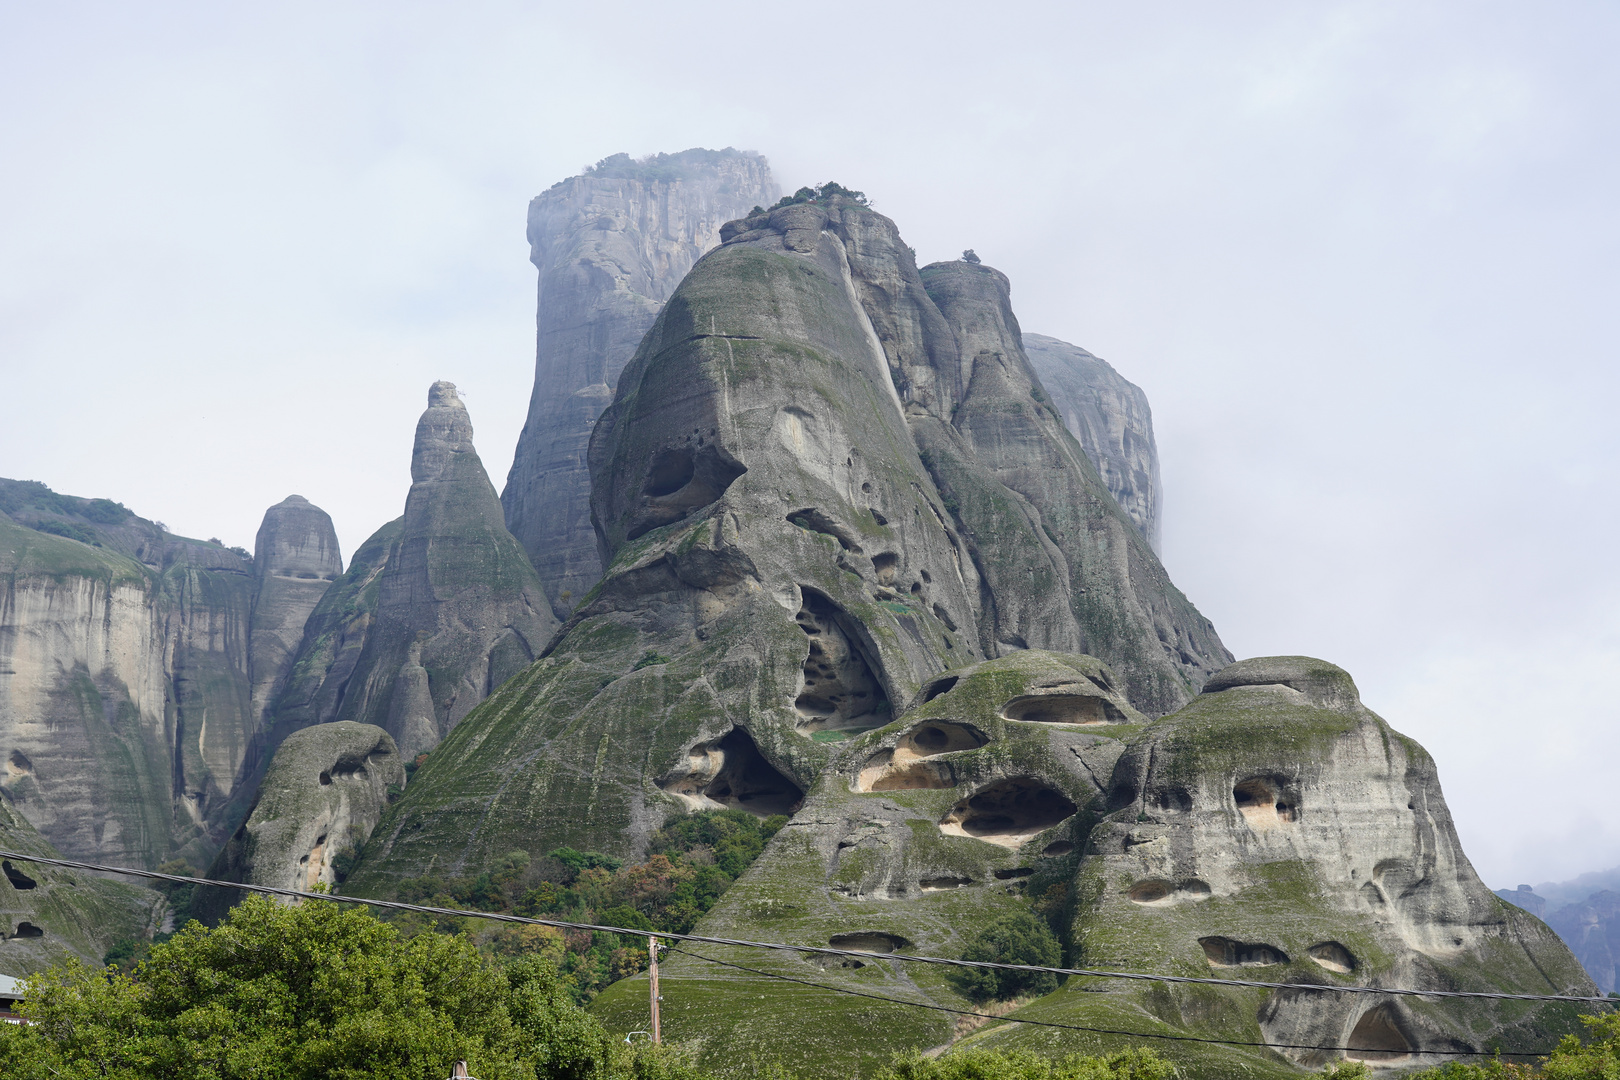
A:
x: 1016, y: 938
x: 969, y: 256
x: 300, y: 992
x: 1138, y: 1064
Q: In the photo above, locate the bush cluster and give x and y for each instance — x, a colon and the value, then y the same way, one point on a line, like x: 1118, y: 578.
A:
x: 691, y: 862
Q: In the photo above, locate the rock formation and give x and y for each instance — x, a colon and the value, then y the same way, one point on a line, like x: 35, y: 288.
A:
x: 1273, y: 829
x: 318, y: 802
x: 1592, y: 930
x: 610, y: 246
x: 295, y: 560
x: 436, y: 610
x: 1110, y: 418
x: 48, y: 914
x: 129, y: 659
x: 818, y: 486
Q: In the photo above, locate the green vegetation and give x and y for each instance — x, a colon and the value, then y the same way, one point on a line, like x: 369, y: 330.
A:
x: 1138, y: 1064
x: 819, y: 194
x: 316, y: 991
x: 692, y: 861
x: 68, y: 530
x: 1015, y: 938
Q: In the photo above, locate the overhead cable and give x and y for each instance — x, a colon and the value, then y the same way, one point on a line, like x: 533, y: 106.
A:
x: 814, y: 950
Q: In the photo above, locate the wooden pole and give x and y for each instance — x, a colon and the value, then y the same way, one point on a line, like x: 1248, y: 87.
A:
x: 652, y: 957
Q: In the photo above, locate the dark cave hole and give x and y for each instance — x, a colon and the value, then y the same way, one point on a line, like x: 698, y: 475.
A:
x: 1009, y: 811
x: 1333, y: 956
x: 18, y: 879
x: 27, y: 930
x: 1378, y: 1037
x: 1062, y: 709
x: 1225, y: 952
x: 938, y: 687
x: 671, y: 470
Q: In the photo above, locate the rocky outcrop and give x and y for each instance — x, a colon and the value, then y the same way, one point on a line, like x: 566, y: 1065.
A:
x: 1592, y: 930
x: 436, y: 610
x: 1110, y: 418
x: 48, y: 914
x: 128, y: 658
x: 817, y: 488
x: 610, y: 246
x: 318, y: 802
x: 1273, y: 829
x: 295, y: 560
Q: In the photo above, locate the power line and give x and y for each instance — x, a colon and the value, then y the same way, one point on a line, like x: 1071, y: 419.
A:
x: 815, y: 950
x: 1097, y: 1030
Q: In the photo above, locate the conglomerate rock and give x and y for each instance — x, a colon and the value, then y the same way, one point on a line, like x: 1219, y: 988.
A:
x: 295, y: 560
x: 127, y: 709
x: 436, y: 610
x: 816, y: 488
x: 1273, y: 829
x: 318, y: 802
x: 610, y: 246
x: 1110, y: 417
x: 49, y: 913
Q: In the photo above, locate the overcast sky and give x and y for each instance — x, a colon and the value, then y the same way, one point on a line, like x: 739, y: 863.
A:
x: 1362, y: 257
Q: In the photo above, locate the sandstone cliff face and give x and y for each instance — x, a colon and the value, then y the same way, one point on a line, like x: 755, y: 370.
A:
x: 610, y: 246
x: 1272, y: 829
x: 772, y: 488
x: 126, y: 703
x: 318, y: 802
x: 1110, y: 418
x: 436, y: 610
x: 48, y: 914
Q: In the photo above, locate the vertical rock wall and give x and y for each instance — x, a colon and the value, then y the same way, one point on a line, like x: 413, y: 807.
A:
x: 610, y: 246
x: 1110, y: 418
x: 295, y: 560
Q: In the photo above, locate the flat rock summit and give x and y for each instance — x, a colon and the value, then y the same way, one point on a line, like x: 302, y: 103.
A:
x: 798, y: 528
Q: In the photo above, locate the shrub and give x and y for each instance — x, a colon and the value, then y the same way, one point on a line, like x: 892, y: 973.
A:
x: 1017, y: 938
x: 1138, y: 1064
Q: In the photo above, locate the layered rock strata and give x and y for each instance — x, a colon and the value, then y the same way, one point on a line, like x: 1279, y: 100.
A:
x: 436, y: 610
x: 1273, y: 829
x: 610, y: 247
x: 129, y: 662
x: 1110, y: 418
x: 318, y: 802
x: 817, y: 487
x: 49, y: 914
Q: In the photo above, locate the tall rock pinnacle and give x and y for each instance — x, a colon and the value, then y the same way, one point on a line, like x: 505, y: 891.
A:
x: 1109, y: 416
x: 610, y: 246
x: 295, y: 560
x: 436, y: 610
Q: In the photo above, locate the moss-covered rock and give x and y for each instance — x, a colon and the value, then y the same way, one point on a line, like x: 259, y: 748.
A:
x: 48, y: 913
x: 317, y: 804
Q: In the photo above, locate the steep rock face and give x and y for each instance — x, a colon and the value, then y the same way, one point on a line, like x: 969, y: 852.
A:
x: 610, y: 246
x: 48, y: 914
x: 1110, y: 418
x: 1592, y: 929
x: 1273, y: 829
x: 436, y: 610
x: 295, y: 560
x: 783, y: 570
x: 126, y: 698
x: 1064, y: 567
x: 318, y: 802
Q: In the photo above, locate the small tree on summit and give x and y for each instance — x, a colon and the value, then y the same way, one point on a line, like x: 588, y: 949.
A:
x: 969, y: 256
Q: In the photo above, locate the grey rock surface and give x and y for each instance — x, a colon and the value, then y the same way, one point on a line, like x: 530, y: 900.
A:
x: 816, y: 488
x: 1592, y: 929
x: 1110, y: 417
x: 1259, y: 832
x: 48, y: 913
x: 436, y: 610
x: 610, y: 247
x: 323, y: 793
x: 295, y: 560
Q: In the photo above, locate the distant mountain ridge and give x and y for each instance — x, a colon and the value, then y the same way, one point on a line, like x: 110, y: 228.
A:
x: 1585, y: 912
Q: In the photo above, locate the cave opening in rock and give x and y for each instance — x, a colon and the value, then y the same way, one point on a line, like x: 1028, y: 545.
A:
x: 871, y: 941
x: 1157, y: 892
x: 1014, y: 873
x: 671, y: 470
x: 884, y: 565
x: 939, y: 737
x: 841, y: 690
x: 1008, y: 812
x: 1378, y: 1037
x: 814, y: 519
x: 18, y: 879
x: 1057, y: 848
x: 1062, y: 709
x: 939, y: 884
x: 27, y: 930
x: 939, y: 686
x: 731, y: 772
x: 884, y: 771
x: 1333, y: 956
x: 1224, y: 952
x: 1266, y: 801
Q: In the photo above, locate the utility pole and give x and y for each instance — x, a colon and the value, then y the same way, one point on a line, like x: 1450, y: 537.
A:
x: 652, y: 957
